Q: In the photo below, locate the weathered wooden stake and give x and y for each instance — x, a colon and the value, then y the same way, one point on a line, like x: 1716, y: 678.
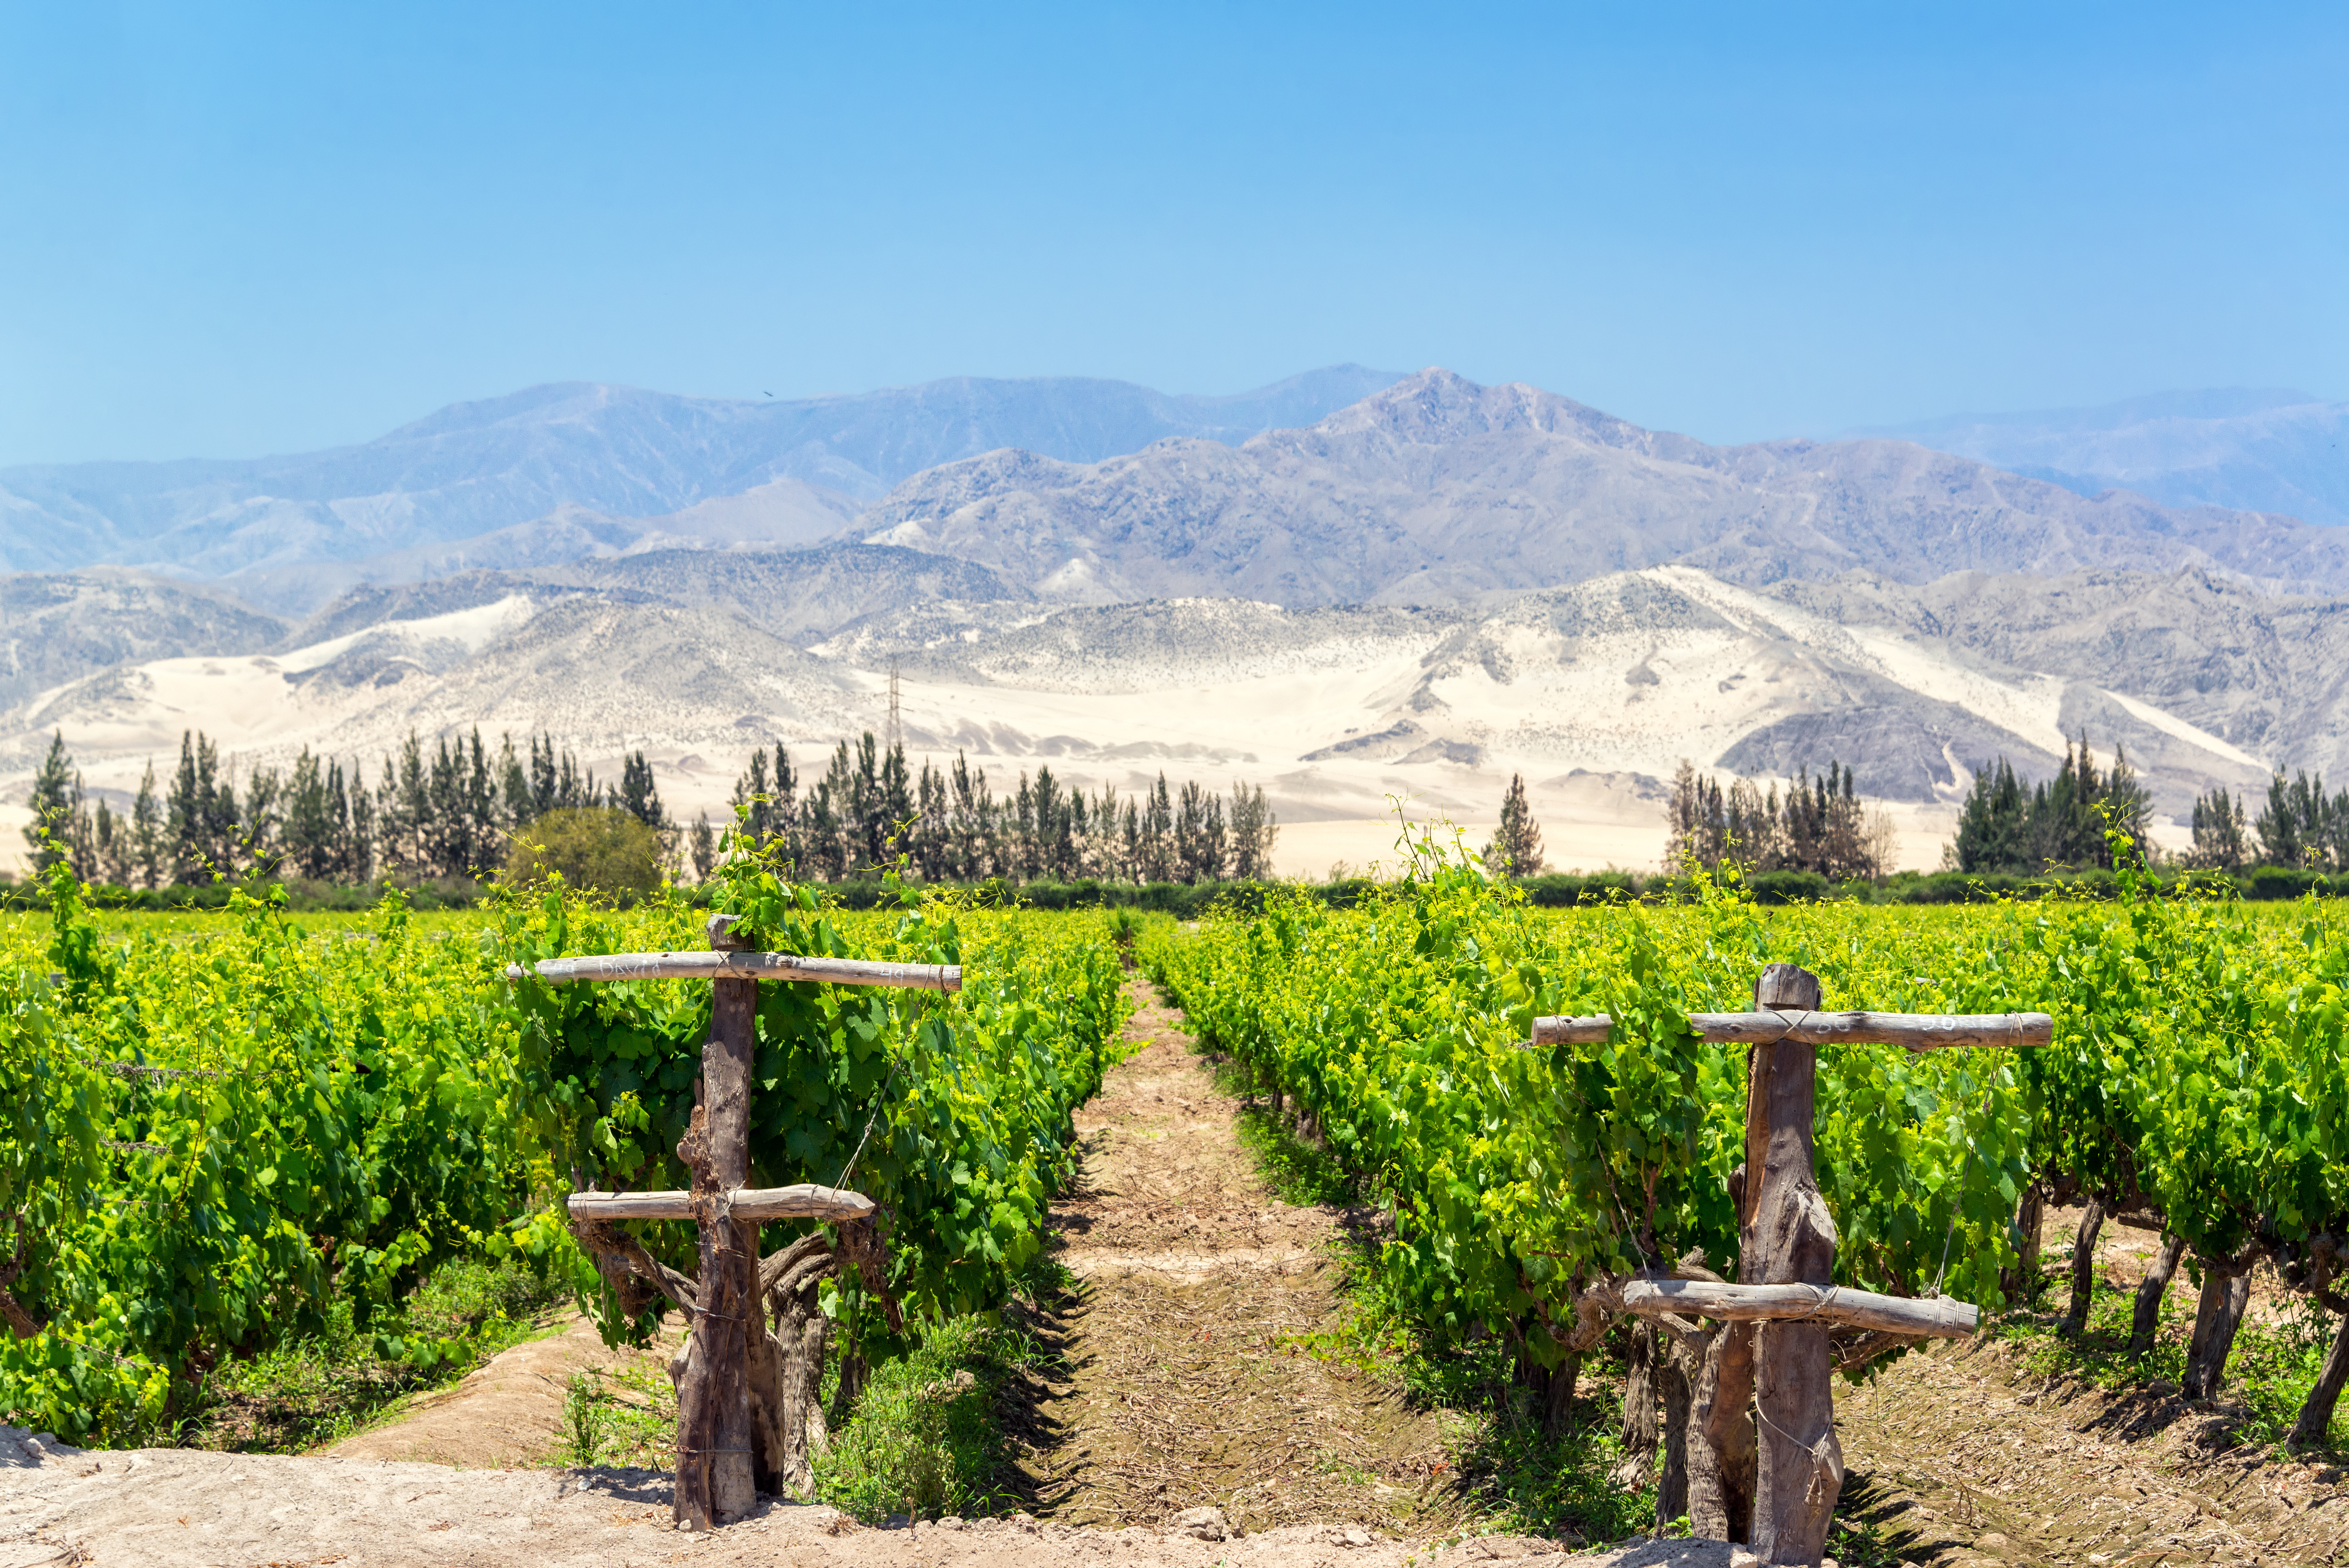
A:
x: 1789, y: 1238
x: 715, y: 1484
x: 1721, y: 1464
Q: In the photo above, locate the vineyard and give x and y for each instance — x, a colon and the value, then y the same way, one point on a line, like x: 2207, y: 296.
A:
x: 213, y: 1137
x: 223, y: 1130
x: 2195, y: 1086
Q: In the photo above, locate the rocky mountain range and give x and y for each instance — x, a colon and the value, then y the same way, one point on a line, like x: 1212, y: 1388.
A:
x: 1412, y: 595
x: 1437, y: 490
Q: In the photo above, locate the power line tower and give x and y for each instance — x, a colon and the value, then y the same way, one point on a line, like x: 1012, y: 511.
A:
x: 897, y: 730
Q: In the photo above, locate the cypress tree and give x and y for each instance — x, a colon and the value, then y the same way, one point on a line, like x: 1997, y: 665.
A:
x: 57, y: 800
x: 147, y: 829
x: 1516, y: 847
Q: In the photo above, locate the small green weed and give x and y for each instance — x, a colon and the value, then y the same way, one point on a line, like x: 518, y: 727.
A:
x: 924, y: 1440
x: 624, y: 1415
x: 1295, y: 1171
x: 584, y: 1420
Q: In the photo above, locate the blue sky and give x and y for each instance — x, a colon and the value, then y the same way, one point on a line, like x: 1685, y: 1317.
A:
x: 243, y: 229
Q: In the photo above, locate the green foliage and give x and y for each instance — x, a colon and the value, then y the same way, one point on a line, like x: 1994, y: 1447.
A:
x: 2197, y: 1070
x: 925, y: 1441
x: 235, y: 1142
x: 1513, y: 1172
x: 215, y: 1138
x: 2066, y: 821
x: 601, y: 848
x: 586, y: 1423
x: 340, y: 1379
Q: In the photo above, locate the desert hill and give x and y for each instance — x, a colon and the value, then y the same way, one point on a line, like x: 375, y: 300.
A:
x: 1593, y: 691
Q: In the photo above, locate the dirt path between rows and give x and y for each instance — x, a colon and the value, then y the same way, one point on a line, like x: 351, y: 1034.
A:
x: 1188, y: 1377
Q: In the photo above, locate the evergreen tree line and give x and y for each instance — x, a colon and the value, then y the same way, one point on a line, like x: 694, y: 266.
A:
x: 1821, y: 825
x: 449, y: 813
x: 2059, y: 824
x: 2301, y: 826
x: 868, y: 808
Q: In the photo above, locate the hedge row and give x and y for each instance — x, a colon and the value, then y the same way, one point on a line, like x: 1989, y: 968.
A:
x: 1186, y: 900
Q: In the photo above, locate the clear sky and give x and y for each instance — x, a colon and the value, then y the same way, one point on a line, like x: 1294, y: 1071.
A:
x: 231, y: 230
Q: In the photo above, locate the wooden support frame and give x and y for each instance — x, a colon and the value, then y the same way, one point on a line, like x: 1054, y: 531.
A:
x: 1923, y: 1317
x: 1764, y: 1465
x: 716, y: 1472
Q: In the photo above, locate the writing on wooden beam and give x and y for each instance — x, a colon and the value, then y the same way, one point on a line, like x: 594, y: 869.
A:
x: 1917, y: 1031
x: 725, y: 965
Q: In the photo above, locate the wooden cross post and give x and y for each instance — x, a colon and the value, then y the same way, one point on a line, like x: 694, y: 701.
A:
x: 1771, y: 1353
x: 716, y: 1478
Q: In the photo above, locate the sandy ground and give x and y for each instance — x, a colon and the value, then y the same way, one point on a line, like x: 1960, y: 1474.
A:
x: 508, y: 1411
x: 61, y: 1508
x: 1968, y: 1459
x: 1964, y: 1458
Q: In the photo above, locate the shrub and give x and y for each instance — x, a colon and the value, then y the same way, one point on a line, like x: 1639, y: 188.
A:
x: 593, y: 847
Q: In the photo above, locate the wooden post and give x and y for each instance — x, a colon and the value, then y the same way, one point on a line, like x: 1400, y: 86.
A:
x: 1788, y: 1239
x: 715, y: 1483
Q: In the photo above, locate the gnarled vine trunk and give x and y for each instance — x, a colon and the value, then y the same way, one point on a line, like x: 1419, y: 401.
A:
x: 2217, y: 1314
x: 1721, y: 1452
x: 2146, y: 1321
x: 2022, y: 1282
x: 1637, y: 1467
x: 2084, y: 1266
x: 2316, y: 1411
x: 1674, y: 1379
x: 785, y: 1366
x: 1557, y: 1395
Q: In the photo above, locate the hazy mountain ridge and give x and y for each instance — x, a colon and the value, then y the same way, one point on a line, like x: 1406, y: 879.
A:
x: 2273, y: 450
x: 472, y: 469
x: 1437, y: 490
x: 58, y: 629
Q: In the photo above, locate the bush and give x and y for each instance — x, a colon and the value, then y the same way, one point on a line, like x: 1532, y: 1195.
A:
x: 593, y: 847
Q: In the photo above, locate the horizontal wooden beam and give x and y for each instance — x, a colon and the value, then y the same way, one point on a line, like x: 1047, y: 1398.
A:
x: 1930, y: 1317
x: 1917, y: 1031
x: 804, y: 1201
x: 743, y: 966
